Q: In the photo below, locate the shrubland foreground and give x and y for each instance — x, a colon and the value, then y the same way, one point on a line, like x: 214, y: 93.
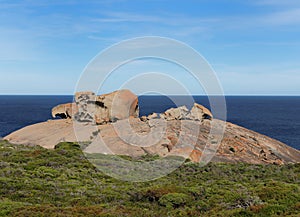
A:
x: 35, y: 181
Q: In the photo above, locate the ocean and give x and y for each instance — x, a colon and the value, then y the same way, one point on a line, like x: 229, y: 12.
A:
x: 275, y: 116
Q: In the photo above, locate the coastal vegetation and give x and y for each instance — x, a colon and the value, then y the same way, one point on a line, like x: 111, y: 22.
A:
x: 35, y: 181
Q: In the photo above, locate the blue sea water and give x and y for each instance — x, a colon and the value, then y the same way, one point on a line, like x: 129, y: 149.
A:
x: 274, y: 116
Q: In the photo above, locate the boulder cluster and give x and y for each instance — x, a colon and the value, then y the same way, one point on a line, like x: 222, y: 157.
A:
x: 120, y: 105
x: 197, y: 113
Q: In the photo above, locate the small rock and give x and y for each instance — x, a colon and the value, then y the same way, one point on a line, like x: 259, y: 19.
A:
x: 143, y: 118
x: 152, y: 116
x: 199, y: 113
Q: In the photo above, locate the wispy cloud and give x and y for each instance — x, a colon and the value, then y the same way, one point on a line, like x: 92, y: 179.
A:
x: 73, y: 29
x: 286, y: 17
x: 282, y: 78
x: 116, y: 17
x: 277, y: 2
x: 16, y: 48
x: 181, y: 25
x: 130, y: 24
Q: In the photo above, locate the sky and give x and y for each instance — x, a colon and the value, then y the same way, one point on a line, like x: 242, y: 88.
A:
x: 252, y: 45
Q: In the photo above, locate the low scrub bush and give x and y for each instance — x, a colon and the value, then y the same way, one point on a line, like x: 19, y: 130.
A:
x: 38, y: 182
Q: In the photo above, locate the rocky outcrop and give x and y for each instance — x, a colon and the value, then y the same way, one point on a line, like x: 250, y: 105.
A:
x: 110, y: 123
x: 64, y: 110
x: 100, y: 109
x: 117, y: 105
x: 238, y: 144
x: 179, y: 113
x: 197, y: 113
x: 120, y: 105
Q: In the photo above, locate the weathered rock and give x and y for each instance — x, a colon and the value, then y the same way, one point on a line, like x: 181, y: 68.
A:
x: 86, y: 104
x: 179, y: 113
x: 101, y: 109
x: 152, y: 116
x: 199, y: 112
x: 144, y: 118
x: 117, y: 105
x: 64, y: 111
x: 238, y: 145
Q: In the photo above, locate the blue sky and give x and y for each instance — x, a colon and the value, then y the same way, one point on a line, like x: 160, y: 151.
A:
x: 253, y: 45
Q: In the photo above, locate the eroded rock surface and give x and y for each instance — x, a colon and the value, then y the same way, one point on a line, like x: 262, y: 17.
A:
x: 64, y: 111
x: 179, y: 113
x: 197, y: 113
x: 100, y: 109
x: 238, y: 144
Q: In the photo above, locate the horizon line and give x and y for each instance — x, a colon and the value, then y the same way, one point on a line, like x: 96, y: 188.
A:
x: 160, y: 95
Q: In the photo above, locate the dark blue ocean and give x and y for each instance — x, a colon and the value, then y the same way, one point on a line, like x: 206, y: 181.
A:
x: 274, y: 116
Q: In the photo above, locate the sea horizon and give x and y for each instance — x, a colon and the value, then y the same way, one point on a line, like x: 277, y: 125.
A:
x: 25, y: 94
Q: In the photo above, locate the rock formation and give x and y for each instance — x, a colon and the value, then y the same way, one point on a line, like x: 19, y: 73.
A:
x: 101, y: 109
x: 197, y: 113
x: 111, y: 123
x: 64, y: 110
x: 179, y: 113
x: 238, y: 144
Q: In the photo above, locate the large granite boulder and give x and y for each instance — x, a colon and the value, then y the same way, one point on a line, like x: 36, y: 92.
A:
x: 119, y: 104
x: 101, y: 109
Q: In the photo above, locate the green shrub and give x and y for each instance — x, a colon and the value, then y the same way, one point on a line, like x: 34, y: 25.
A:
x: 8, y: 206
x: 173, y: 200
x: 273, y: 210
x: 38, y: 182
